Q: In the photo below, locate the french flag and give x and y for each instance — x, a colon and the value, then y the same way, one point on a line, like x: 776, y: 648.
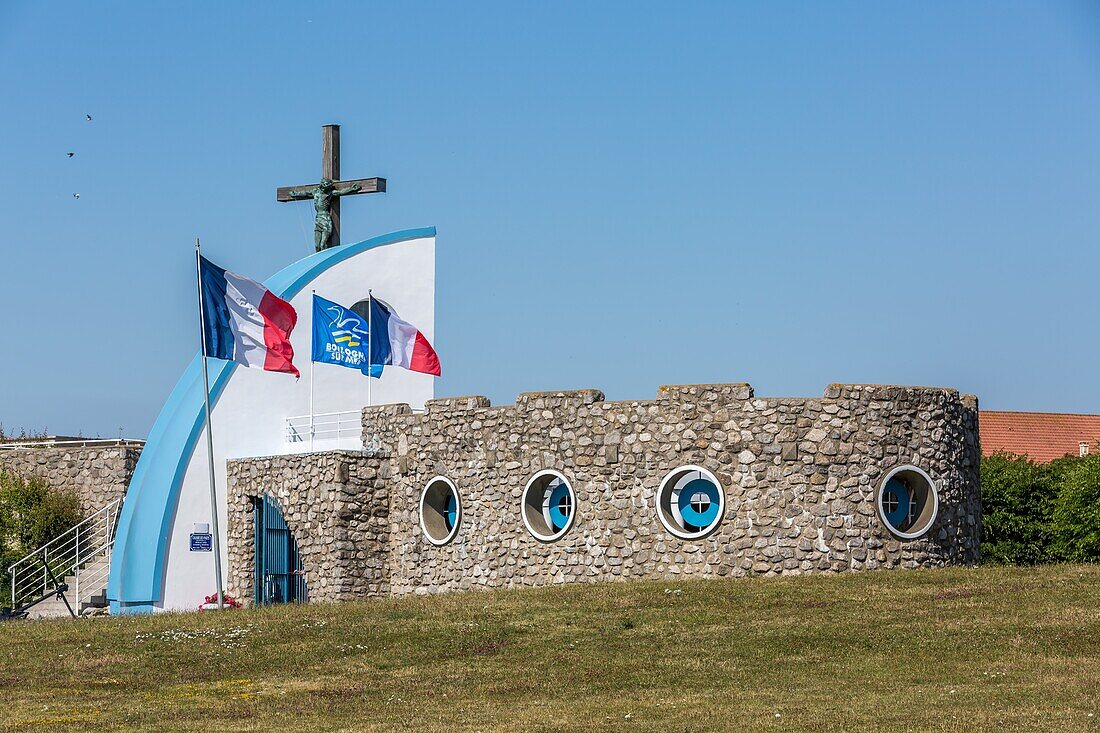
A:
x: 244, y: 322
x: 399, y: 343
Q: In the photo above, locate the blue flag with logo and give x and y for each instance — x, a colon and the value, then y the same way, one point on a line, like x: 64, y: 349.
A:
x: 341, y: 336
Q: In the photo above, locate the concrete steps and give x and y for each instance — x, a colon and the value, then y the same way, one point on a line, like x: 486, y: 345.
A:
x: 93, y: 593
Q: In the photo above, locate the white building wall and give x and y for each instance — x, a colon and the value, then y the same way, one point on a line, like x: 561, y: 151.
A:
x: 250, y: 415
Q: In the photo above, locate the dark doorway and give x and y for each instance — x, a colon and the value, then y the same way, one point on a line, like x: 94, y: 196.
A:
x: 280, y: 577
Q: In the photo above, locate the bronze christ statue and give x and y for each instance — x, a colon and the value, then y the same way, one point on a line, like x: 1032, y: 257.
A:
x: 322, y: 195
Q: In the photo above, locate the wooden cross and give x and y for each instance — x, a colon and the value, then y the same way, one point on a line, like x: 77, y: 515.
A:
x: 326, y: 194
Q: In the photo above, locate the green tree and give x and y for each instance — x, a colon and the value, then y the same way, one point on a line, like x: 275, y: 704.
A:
x: 1040, y: 512
x: 31, y: 514
x: 1017, y: 503
x: 1076, y: 516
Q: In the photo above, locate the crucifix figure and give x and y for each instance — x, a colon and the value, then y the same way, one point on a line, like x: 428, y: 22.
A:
x: 325, y: 195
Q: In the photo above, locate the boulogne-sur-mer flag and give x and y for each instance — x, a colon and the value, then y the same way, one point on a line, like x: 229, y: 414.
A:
x: 244, y: 322
x: 340, y: 337
x: 399, y: 343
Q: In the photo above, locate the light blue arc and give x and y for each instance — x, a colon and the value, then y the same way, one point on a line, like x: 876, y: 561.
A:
x: 136, y: 582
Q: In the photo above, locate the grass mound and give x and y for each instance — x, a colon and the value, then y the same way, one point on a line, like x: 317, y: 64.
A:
x: 944, y: 650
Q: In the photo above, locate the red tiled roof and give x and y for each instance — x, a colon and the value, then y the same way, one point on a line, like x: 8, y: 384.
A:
x: 1042, y: 436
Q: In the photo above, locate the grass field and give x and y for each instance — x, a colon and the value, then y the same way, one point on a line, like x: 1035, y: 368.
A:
x: 944, y: 650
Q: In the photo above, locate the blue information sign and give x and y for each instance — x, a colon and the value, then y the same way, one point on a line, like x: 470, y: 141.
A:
x: 202, y: 542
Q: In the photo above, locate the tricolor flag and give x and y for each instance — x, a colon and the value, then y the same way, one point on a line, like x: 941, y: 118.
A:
x: 398, y: 343
x: 244, y: 322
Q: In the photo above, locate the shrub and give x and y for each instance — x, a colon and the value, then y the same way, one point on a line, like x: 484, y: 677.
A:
x: 1040, y: 513
x: 1017, y: 500
x: 31, y: 514
x: 1076, y: 515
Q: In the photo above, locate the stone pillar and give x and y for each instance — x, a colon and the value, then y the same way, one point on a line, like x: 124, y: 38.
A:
x: 336, y: 506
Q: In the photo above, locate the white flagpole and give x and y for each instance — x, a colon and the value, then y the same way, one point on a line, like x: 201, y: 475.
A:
x: 370, y: 342
x: 312, y: 429
x: 209, y: 433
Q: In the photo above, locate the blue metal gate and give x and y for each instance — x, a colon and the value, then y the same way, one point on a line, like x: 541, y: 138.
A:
x: 280, y: 577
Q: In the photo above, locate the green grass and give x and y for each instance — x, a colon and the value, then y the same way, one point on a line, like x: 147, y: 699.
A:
x: 946, y: 650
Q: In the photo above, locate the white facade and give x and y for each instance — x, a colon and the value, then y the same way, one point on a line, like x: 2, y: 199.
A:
x: 251, y: 413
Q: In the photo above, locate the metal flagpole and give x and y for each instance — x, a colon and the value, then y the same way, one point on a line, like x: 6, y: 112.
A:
x: 370, y: 342
x: 312, y: 430
x: 209, y: 433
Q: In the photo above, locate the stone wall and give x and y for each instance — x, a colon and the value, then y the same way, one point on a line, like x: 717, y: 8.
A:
x: 799, y: 476
x: 96, y: 474
x: 336, y: 506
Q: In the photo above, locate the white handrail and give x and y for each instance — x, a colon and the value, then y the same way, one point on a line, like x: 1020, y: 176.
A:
x: 331, y: 426
x: 74, y: 443
x: 347, y: 424
x: 64, y: 538
x: 88, y: 543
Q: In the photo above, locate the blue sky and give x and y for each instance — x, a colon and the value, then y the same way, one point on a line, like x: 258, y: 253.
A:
x: 627, y: 194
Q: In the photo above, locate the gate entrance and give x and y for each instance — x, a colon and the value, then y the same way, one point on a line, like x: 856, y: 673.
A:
x: 280, y: 577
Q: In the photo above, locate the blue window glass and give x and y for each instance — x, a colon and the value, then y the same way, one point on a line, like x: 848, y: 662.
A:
x: 559, y: 505
x: 450, y: 512
x: 907, y: 502
x: 698, y: 503
x: 690, y: 502
x: 548, y: 507
x: 896, y: 503
x: 440, y: 511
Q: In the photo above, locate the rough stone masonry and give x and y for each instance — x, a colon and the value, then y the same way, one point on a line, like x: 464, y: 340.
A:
x: 97, y: 475
x: 799, y: 478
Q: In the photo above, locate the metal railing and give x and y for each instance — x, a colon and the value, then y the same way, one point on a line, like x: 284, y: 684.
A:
x: 73, y: 443
x: 82, y: 553
x: 328, y: 427
x: 345, y: 429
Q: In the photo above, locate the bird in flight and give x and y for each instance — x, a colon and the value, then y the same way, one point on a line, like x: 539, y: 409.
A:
x: 71, y: 154
x: 88, y: 118
x: 76, y: 195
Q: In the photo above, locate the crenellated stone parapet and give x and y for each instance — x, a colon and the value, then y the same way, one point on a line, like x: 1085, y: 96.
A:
x: 800, y: 482
x: 800, y: 477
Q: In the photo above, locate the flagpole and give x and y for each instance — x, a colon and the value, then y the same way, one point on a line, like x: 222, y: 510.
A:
x: 312, y: 429
x: 209, y: 432
x: 370, y: 342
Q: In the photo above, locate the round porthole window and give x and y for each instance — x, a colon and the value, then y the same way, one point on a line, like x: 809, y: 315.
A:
x: 440, y: 510
x: 907, y: 501
x: 690, y: 502
x: 548, y: 506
